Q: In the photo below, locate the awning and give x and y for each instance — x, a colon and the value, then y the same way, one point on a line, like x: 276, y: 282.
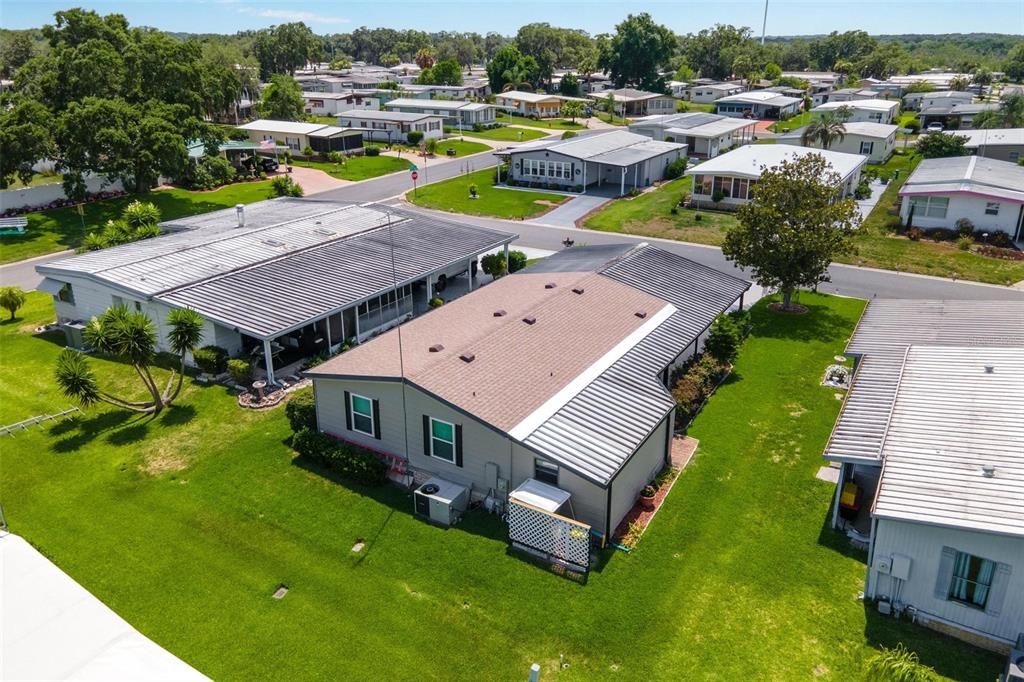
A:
x: 50, y: 286
x: 540, y: 495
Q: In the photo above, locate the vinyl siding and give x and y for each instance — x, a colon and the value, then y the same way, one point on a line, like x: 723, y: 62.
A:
x: 923, y: 544
x: 972, y: 208
x: 638, y: 472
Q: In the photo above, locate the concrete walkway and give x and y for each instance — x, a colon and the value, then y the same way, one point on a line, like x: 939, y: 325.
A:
x: 569, y: 212
x: 865, y: 206
x: 53, y: 629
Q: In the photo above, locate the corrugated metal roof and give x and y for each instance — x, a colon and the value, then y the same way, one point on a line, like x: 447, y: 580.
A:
x: 952, y: 417
x: 976, y: 174
x: 273, y: 297
x: 882, y: 337
x: 759, y: 97
x: 598, y: 429
x: 694, y: 124
x: 865, y: 104
x: 613, y: 147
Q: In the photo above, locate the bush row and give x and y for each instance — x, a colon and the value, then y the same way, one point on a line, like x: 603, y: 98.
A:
x: 696, y: 385
x: 211, y: 359
x: 301, y: 410
x: 351, y: 462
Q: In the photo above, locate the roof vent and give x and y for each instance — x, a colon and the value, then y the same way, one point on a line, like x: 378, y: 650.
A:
x: 436, y: 348
x: 467, y: 357
x: 273, y: 242
x: 500, y: 313
x: 577, y: 290
x: 529, y: 319
x: 240, y: 212
x: 550, y: 285
x: 988, y: 470
x: 989, y: 369
x: 641, y: 314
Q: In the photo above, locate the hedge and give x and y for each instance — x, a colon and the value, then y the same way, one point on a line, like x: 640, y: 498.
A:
x: 354, y: 463
x: 211, y: 359
x: 301, y: 410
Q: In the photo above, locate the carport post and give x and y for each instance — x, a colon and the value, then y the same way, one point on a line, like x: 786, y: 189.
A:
x: 506, y: 258
x: 622, y: 182
x: 469, y: 273
x: 268, y: 359
x: 741, y: 301
x: 584, y: 177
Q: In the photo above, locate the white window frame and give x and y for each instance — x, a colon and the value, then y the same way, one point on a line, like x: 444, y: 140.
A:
x: 928, y: 206
x: 433, y: 438
x: 352, y: 409
x: 992, y: 208
x: 870, y: 147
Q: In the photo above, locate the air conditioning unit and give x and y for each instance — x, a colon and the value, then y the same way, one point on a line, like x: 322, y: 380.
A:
x: 440, y: 501
x: 1015, y: 664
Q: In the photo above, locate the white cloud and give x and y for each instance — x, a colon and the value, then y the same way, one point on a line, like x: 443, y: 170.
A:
x: 293, y: 15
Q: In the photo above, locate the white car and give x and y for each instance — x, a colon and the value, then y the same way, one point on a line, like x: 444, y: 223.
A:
x: 935, y: 127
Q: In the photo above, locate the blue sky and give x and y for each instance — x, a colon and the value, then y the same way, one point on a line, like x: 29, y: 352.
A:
x: 785, y: 17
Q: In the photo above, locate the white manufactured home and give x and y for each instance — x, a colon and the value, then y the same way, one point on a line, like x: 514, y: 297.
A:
x: 931, y: 465
x: 705, y: 135
x: 876, y: 141
x: 866, y: 110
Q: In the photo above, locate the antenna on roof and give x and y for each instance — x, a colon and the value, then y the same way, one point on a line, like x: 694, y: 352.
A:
x: 398, y: 311
x: 764, y: 22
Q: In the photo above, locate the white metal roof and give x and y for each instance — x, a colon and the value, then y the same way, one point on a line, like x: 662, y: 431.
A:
x: 992, y: 137
x: 612, y: 147
x: 449, y: 104
x: 284, y: 127
x: 520, y: 96
x: 398, y: 116
x: 967, y: 174
x: 692, y: 124
x: 759, y: 97
x: 861, y: 128
x: 887, y: 328
x: 866, y: 104
x: 957, y: 410
x: 630, y: 95
x: 540, y: 495
x: 749, y: 160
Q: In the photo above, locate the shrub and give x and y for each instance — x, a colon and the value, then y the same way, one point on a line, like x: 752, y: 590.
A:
x: 352, y: 462
x: 284, y: 186
x: 939, y: 234
x: 240, y: 370
x: 308, y: 151
x: 567, y: 134
x: 516, y: 261
x: 676, y: 169
x: 717, y: 196
x: 431, y: 146
x: 914, y: 233
x: 913, y: 125
x: 697, y: 383
x: 211, y: 359
x: 964, y: 243
x: 863, y: 190
x: 493, y: 264
x: 472, y: 189
x: 477, y: 128
x: 897, y: 664
x: 301, y: 411
x: 964, y: 227
x: 336, y: 157
x: 372, y: 151
x: 12, y: 299
x: 697, y: 217
x: 723, y: 341
x: 578, y: 188
x: 415, y: 136
x: 674, y: 210
x: 1000, y: 239
x: 436, y: 302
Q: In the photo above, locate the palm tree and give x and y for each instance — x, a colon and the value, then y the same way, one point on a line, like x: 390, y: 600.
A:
x: 11, y: 299
x: 130, y: 336
x: 959, y: 82
x: 823, y: 130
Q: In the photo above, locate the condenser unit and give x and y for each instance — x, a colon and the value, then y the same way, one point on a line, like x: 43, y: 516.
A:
x: 440, y: 501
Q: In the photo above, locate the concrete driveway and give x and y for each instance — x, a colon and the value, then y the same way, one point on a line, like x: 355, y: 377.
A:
x: 568, y: 213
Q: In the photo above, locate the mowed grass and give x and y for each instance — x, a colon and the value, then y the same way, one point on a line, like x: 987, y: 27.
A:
x: 547, y: 123
x: 63, y: 228
x: 650, y: 215
x: 461, y: 147
x: 357, y: 167
x: 791, y: 124
x: 876, y: 244
x: 185, y: 525
x: 496, y: 202
x: 507, y: 134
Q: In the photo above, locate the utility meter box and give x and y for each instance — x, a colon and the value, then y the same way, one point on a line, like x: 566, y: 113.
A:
x: 900, y: 566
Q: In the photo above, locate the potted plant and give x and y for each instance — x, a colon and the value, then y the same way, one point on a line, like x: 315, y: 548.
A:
x: 647, y: 497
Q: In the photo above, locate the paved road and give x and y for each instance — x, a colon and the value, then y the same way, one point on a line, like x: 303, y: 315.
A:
x: 846, y: 280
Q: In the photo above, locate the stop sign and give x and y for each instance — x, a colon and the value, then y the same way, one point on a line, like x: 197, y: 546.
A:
x: 415, y: 175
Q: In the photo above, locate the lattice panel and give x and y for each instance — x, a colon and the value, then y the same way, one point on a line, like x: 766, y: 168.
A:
x: 557, y: 536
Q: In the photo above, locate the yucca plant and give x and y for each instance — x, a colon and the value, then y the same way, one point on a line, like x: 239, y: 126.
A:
x: 130, y: 336
x: 899, y: 664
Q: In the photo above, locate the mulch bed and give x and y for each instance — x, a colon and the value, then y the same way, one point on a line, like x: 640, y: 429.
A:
x: 793, y: 309
x: 683, y: 449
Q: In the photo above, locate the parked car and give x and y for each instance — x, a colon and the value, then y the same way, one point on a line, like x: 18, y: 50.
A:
x: 934, y: 127
x: 268, y: 164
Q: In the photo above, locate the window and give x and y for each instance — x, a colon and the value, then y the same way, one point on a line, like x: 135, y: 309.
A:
x: 723, y: 185
x: 362, y: 414
x: 702, y: 184
x: 972, y: 580
x: 442, y: 440
x: 930, y: 207
x: 866, y: 148
x: 1013, y: 157
x: 992, y: 208
x: 116, y: 301
x: 545, y: 471
x: 741, y: 188
x: 66, y: 294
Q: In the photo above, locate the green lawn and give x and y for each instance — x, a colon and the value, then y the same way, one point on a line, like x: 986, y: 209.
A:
x: 614, y: 120
x: 507, y: 134
x: 791, y: 124
x: 60, y: 229
x: 461, y: 147
x: 650, y: 215
x: 547, y: 123
x: 186, y: 524
x: 38, y: 180
x: 358, y: 167
x: 707, y: 107
x: 453, y: 195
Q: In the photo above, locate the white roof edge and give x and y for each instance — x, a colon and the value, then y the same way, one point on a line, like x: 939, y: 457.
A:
x: 540, y: 415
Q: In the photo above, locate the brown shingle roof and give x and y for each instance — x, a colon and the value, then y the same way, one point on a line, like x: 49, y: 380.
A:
x: 517, y: 366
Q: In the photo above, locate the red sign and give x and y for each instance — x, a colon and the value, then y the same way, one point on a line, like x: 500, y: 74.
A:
x: 415, y: 175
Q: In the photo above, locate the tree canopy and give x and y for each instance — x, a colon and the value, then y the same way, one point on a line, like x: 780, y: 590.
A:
x: 941, y: 145
x: 636, y: 52
x: 794, y: 227
x: 282, y: 99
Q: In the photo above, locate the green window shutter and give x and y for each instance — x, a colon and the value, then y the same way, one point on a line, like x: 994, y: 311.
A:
x: 376, y: 419
x: 458, y: 445
x: 348, y: 410
x: 426, y: 436
x: 997, y: 592
x: 945, y: 574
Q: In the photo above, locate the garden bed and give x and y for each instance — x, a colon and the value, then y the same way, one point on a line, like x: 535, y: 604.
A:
x: 635, y: 522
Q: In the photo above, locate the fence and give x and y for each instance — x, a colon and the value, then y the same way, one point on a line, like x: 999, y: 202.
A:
x: 42, y: 195
x: 557, y: 538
